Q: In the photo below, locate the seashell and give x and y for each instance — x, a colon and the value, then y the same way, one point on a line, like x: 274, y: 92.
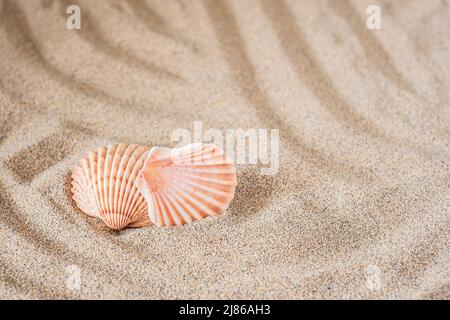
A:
x: 186, y: 184
x: 103, y: 186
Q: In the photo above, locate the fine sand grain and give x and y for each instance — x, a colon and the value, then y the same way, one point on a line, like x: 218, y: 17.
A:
x: 360, y: 207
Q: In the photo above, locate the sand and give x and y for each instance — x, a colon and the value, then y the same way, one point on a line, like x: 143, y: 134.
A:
x: 360, y: 206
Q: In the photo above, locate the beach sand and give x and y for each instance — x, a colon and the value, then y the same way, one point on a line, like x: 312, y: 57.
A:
x: 360, y: 206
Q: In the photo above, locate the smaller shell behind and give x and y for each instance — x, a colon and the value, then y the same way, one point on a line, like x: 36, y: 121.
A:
x: 186, y: 184
x: 103, y: 186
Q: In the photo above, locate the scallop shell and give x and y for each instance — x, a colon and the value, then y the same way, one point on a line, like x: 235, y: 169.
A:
x: 186, y: 184
x: 103, y: 186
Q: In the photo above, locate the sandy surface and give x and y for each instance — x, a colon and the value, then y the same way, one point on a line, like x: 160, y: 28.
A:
x: 359, y: 208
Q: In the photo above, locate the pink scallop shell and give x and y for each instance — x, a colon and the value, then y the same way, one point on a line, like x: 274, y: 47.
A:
x: 103, y: 186
x: 185, y: 184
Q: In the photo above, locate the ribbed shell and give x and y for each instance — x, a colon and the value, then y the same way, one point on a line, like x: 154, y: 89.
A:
x: 103, y: 186
x: 186, y: 184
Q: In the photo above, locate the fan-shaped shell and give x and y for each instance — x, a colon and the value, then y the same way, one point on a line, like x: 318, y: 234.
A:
x: 186, y: 184
x: 103, y: 186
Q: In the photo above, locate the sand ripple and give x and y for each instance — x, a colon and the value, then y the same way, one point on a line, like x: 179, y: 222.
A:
x: 359, y: 209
